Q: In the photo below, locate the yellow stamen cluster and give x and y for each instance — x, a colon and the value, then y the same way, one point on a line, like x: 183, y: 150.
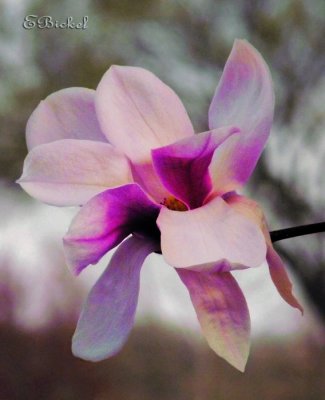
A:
x: 173, y: 204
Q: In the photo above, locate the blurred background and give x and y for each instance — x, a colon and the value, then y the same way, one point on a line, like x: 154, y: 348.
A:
x: 185, y: 43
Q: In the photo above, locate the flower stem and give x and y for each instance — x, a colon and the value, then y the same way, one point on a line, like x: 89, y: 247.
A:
x: 297, y: 231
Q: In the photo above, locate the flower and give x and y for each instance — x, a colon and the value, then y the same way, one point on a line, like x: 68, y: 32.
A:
x: 127, y: 153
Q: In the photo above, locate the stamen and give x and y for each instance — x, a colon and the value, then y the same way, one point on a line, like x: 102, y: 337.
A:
x: 174, y: 204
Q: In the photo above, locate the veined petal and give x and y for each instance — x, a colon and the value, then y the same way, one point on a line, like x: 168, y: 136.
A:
x: 66, y: 114
x: 244, y: 98
x: 108, y: 314
x: 183, y: 166
x: 211, y: 233
x: 105, y: 221
x: 278, y: 273
x: 138, y: 112
x: 222, y: 312
x: 70, y: 172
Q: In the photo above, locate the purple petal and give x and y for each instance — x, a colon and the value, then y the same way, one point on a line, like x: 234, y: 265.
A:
x: 244, y: 98
x: 105, y: 221
x: 66, y: 114
x: 108, y: 314
x: 70, y: 172
x: 208, y: 234
x: 222, y: 312
x: 138, y: 112
x: 183, y: 166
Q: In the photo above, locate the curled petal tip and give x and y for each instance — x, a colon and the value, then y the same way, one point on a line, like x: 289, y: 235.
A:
x: 242, y: 47
x: 281, y: 279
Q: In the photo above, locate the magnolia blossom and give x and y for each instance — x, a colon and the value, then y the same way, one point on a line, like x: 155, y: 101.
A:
x: 127, y: 154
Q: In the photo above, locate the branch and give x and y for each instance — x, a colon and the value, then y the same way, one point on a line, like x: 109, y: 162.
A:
x: 297, y: 231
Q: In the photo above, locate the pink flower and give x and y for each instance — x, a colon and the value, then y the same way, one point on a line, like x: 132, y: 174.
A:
x: 128, y: 154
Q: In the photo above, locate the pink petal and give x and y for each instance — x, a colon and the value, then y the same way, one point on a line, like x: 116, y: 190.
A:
x: 66, y: 114
x: 70, y: 172
x: 183, y: 166
x: 108, y: 314
x: 249, y: 208
x: 145, y: 175
x: 138, y: 112
x: 105, y: 221
x: 214, y: 232
x: 279, y: 276
x: 222, y: 312
x: 244, y: 98
x: 281, y: 279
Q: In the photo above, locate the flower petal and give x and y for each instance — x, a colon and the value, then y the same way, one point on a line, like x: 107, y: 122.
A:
x: 138, y: 112
x: 108, y: 314
x: 244, y: 98
x: 66, y: 114
x: 281, y: 279
x: 208, y: 234
x: 70, y: 172
x: 183, y: 166
x: 222, y: 312
x: 105, y: 221
x: 145, y: 175
x: 278, y: 273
